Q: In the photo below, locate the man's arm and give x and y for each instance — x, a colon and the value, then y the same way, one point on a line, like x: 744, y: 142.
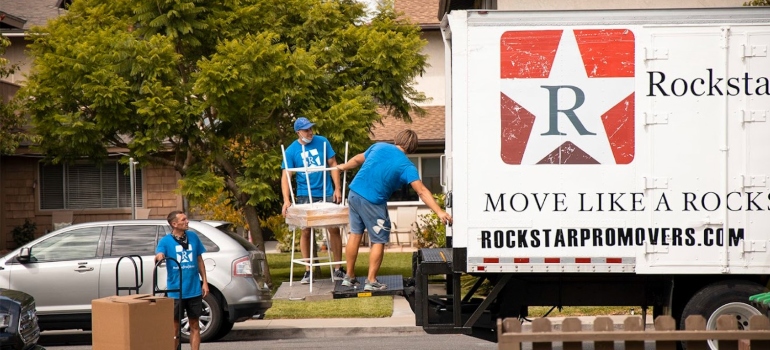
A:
x: 427, y: 198
x: 285, y: 178
x: 353, y: 162
x: 332, y: 162
x: 202, y: 271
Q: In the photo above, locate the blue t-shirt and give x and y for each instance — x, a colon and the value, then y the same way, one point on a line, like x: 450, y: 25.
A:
x: 386, y: 168
x: 188, y: 259
x: 312, y: 157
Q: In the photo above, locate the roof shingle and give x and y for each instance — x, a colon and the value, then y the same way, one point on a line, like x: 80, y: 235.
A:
x: 421, y: 12
x: 429, y: 128
x: 35, y: 12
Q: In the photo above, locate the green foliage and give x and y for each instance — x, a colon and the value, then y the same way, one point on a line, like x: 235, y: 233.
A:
x: 757, y: 3
x: 277, y: 225
x: 24, y: 233
x: 11, y: 119
x: 212, y: 87
x: 432, y: 233
x: 220, y: 207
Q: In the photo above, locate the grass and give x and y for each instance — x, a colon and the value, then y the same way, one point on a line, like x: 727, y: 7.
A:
x: 539, y: 311
x: 375, y: 307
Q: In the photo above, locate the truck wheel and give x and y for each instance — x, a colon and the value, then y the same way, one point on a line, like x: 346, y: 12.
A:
x: 210, y: 321
x: 723, y: 298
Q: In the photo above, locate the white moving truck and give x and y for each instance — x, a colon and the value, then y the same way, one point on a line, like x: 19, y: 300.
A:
x: 617, y: 157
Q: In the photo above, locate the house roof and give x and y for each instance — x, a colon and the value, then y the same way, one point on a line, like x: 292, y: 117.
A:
x: 33, y: 12
x: 423, y: 13
x: 429, y: 129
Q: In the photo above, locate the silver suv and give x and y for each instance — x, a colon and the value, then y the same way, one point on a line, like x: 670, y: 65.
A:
x: 66, y: 269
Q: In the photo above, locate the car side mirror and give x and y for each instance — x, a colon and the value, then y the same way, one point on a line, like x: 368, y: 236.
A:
x: 25, y: 255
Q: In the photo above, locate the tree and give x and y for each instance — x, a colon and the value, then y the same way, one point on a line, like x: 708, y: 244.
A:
x: 211, y: 87
x: 757, y: 3
x: 11, y: 119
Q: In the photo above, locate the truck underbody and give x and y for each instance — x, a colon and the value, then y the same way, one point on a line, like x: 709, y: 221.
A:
x: 442, y: 305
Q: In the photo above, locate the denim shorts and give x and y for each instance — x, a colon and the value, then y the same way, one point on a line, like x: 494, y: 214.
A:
x: 372, y: 217
x: 306, y: 199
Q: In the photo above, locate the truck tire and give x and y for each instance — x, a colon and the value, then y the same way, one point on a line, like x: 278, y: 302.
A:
x: 723, y: 298
x: 211, y: 320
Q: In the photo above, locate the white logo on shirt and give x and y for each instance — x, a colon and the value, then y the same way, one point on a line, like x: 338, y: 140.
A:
x: 183, y: 255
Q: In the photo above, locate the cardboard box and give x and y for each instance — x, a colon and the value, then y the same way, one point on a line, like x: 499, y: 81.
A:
x: 317, y: 215
x: 135, y: 322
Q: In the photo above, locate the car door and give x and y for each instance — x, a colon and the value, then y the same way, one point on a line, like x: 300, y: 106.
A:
x: 63, y: 275
x: 129, y: 240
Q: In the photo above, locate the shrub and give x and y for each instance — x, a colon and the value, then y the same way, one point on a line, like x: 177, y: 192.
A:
x: 431, y: 233
x: 277, y: 225
x: 24, y: 233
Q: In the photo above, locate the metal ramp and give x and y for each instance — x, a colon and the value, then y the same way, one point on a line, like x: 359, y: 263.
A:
x: 395, y: 285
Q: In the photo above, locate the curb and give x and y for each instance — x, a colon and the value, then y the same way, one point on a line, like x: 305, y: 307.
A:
x: 319, y: 332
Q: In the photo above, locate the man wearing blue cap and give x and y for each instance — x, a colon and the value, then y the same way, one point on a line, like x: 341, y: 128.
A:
x: 309, y: 150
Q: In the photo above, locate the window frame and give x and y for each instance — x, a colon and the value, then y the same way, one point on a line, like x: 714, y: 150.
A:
x: 419, y: 157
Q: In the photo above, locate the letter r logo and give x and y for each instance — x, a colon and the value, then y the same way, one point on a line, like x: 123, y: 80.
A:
x: 567, y: 96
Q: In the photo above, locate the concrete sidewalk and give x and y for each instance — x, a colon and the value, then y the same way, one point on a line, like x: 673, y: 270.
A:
x: 401, y: 323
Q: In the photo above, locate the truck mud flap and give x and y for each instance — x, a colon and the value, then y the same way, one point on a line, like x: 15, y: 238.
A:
x: 395, y: 285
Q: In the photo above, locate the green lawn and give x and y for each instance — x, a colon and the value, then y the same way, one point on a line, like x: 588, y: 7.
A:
x: 392, y: 264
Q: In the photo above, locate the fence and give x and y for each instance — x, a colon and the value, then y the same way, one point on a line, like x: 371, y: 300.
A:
x: 727, y: 335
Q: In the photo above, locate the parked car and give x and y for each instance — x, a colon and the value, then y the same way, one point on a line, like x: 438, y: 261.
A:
x: 19, y: 329
x: 66, y: 269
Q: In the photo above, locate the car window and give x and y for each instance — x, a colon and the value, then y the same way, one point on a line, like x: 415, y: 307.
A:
x: 75, y: 244
x: 133, y: 240
x: 209, y: 244
x: 242, y: 241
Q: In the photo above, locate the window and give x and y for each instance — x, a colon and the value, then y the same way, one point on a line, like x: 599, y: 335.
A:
x: 87, y: 186
x: 71, y: 245
x: 133, y: 240
x: 429, y: 168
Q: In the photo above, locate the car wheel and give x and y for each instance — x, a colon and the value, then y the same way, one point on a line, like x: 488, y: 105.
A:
x: 723, y: 298
x: 210, y: 321
x: 224, y: 329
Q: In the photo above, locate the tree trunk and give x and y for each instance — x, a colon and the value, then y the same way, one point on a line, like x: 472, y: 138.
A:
x: 256, y: 236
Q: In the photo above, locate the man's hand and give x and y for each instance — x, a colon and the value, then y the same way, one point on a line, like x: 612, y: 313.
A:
x: 337, y: 196
x: 159, y: 257
x: 445, y: 218
x: 205, y: 288
x: 286, y: 206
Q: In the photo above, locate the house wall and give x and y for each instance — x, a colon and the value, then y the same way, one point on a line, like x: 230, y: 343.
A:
x: 15, y: 55
x: 19, y: 198
x: 610, y: 4
x: 433, y: 82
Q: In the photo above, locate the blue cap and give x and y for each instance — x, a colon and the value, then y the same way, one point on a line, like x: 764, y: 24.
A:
x: 302, y: 124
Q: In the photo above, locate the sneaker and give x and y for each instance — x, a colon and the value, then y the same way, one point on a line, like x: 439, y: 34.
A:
x: 305, y: 278
x: 348, y: 281
x: 339, y: 274
x: 374, y: 286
